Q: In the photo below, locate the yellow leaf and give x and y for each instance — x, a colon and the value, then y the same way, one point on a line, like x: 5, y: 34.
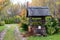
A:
x: 57, y: 2
x: 0, y: 7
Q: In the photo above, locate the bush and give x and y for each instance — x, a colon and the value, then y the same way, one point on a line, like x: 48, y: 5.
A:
x: 25, y: 27
x: 51, y: 30
x: 51, y: 25
x: 17, y: 19
x: 7, y: 20
x: 12, y: 20
x: 57, y: 29
x: 2, y: 23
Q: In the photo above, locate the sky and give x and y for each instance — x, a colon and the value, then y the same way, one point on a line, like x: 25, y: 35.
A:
x: 20, y: 1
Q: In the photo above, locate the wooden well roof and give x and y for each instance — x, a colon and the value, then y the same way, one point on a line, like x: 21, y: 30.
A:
x: 38, y: 11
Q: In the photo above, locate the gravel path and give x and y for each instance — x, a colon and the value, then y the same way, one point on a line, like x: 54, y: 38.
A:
x: 2, y: 34
x: 18, y: 35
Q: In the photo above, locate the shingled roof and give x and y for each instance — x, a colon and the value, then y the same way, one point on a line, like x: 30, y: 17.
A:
x: 38, y: 11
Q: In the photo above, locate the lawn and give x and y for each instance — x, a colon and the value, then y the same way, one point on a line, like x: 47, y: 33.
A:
x: 10, y: 34
x: 2, y: 28
x: 50, y: 37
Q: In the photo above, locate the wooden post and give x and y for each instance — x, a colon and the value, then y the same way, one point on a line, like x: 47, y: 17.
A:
x: 30, y: 26
x: 43, y: 21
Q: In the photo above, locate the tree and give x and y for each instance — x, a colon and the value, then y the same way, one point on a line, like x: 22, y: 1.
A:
x: 3, y: 4
x: 39, y: 2
x: 24, y: 19
x: 14, y: 10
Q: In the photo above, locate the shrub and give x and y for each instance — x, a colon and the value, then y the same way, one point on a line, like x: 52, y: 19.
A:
x: 17, y: 19
x: 36, y: 23
x: 51, y: 25
x: 57, y: 29
x: 51, y: 30
x: 12, y: 20
x: 2, y: 23
x: 25, y: 27
x: 7, y: 20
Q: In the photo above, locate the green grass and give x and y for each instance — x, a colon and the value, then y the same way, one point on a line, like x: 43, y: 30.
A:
x: 10, y: 34
x: 21, y: 30
x: 50, y: 37
x: 2, y: 28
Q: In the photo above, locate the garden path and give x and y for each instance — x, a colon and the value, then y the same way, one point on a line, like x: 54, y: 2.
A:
x: 18, y: 35
x: 2, y: 34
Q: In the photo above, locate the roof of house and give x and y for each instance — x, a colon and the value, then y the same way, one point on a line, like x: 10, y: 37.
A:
x: 38, y: 11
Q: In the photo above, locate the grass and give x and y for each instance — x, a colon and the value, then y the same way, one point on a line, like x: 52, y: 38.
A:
x: 21, y: 30
x: 2, y: 28
x: 50, y: 37
x: 10, y: 34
